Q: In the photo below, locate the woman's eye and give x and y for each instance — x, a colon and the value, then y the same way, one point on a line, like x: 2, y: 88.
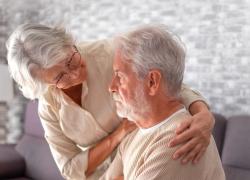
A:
x: 60, y: 78
x: 119, y: 77
x: 69, y: 64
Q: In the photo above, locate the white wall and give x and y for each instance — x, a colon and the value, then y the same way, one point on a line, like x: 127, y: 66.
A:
x: 216, y: 34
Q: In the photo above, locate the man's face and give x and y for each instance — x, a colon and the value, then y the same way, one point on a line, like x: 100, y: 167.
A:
x: 128, y: 91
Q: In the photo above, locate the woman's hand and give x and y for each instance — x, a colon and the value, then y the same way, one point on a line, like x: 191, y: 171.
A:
x: 125, y: 128
x: 118, y: 178
x: 194, y: 133
x: 104, y: 148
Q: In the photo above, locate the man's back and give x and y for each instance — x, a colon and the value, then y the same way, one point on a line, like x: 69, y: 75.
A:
x: 144, y: 155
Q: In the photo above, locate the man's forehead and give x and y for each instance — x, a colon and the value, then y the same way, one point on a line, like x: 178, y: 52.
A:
x: 117, y: 60
x: 121, y: 65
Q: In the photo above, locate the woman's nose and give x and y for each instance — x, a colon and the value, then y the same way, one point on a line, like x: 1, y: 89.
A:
x: 74, y: 74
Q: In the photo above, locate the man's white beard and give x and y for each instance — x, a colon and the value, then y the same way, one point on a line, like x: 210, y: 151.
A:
x: 136, y: 109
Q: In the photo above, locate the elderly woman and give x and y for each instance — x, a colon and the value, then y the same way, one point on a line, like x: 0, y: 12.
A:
x: 76, y: 110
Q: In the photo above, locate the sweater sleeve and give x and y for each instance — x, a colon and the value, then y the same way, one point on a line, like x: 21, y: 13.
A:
x: 159, y: 165
x: 189, y: 96
x: 70, y: 159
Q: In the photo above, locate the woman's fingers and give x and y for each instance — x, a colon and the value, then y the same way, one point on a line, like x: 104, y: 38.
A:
x: 194, y: 136
x: 128, y: 126
x: 183, y: 126
x: 184, y: 149
x: 132, y: 127
x: 118, y: 178
x: 190, y: 156
x: 183, y: 137
x: 199, y: 155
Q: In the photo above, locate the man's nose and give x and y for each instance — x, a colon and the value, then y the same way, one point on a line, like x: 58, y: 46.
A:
x: 112, y: 86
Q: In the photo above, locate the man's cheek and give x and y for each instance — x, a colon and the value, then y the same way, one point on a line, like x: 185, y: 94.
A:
x: 123, y: 94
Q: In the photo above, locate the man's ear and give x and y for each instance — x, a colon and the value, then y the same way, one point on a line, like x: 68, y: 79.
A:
x: 154, y: 79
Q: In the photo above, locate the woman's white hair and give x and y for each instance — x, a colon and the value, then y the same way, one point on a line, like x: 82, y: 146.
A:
x: 154, y: 47
x: 35, y: 45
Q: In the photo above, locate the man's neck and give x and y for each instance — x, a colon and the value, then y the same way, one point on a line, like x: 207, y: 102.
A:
x: 159, y: 113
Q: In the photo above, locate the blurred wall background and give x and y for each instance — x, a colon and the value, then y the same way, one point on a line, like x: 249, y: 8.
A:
x: 216, y: 34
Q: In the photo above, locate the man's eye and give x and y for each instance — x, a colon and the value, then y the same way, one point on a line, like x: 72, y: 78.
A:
x: 120, y: 78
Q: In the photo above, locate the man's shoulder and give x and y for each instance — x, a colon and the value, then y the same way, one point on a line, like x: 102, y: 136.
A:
x: 128, y: 139
x: 163, y: 134
x: 169, y: 126
x: 164, y: 131
x: 156, y: 137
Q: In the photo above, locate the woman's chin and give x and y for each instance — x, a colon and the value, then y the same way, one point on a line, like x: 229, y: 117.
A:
x: 74, y: 83
x: 69, y: 86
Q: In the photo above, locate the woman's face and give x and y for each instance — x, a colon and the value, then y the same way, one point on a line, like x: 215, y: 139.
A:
x: 67, y: 73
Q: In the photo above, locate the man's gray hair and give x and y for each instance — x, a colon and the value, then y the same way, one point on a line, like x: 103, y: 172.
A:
x: 154, y: 47
x: 39, y: 45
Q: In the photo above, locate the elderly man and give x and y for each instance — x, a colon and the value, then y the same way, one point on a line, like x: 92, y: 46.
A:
x: 148, y: 72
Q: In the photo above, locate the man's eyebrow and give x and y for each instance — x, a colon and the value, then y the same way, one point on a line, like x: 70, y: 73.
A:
x: 118, y: 71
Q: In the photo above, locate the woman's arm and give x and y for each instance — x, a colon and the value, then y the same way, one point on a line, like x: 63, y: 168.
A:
x: 195, y: 132
x: 105, y: 147
x: 119, y: 178
x: 72, y: 161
